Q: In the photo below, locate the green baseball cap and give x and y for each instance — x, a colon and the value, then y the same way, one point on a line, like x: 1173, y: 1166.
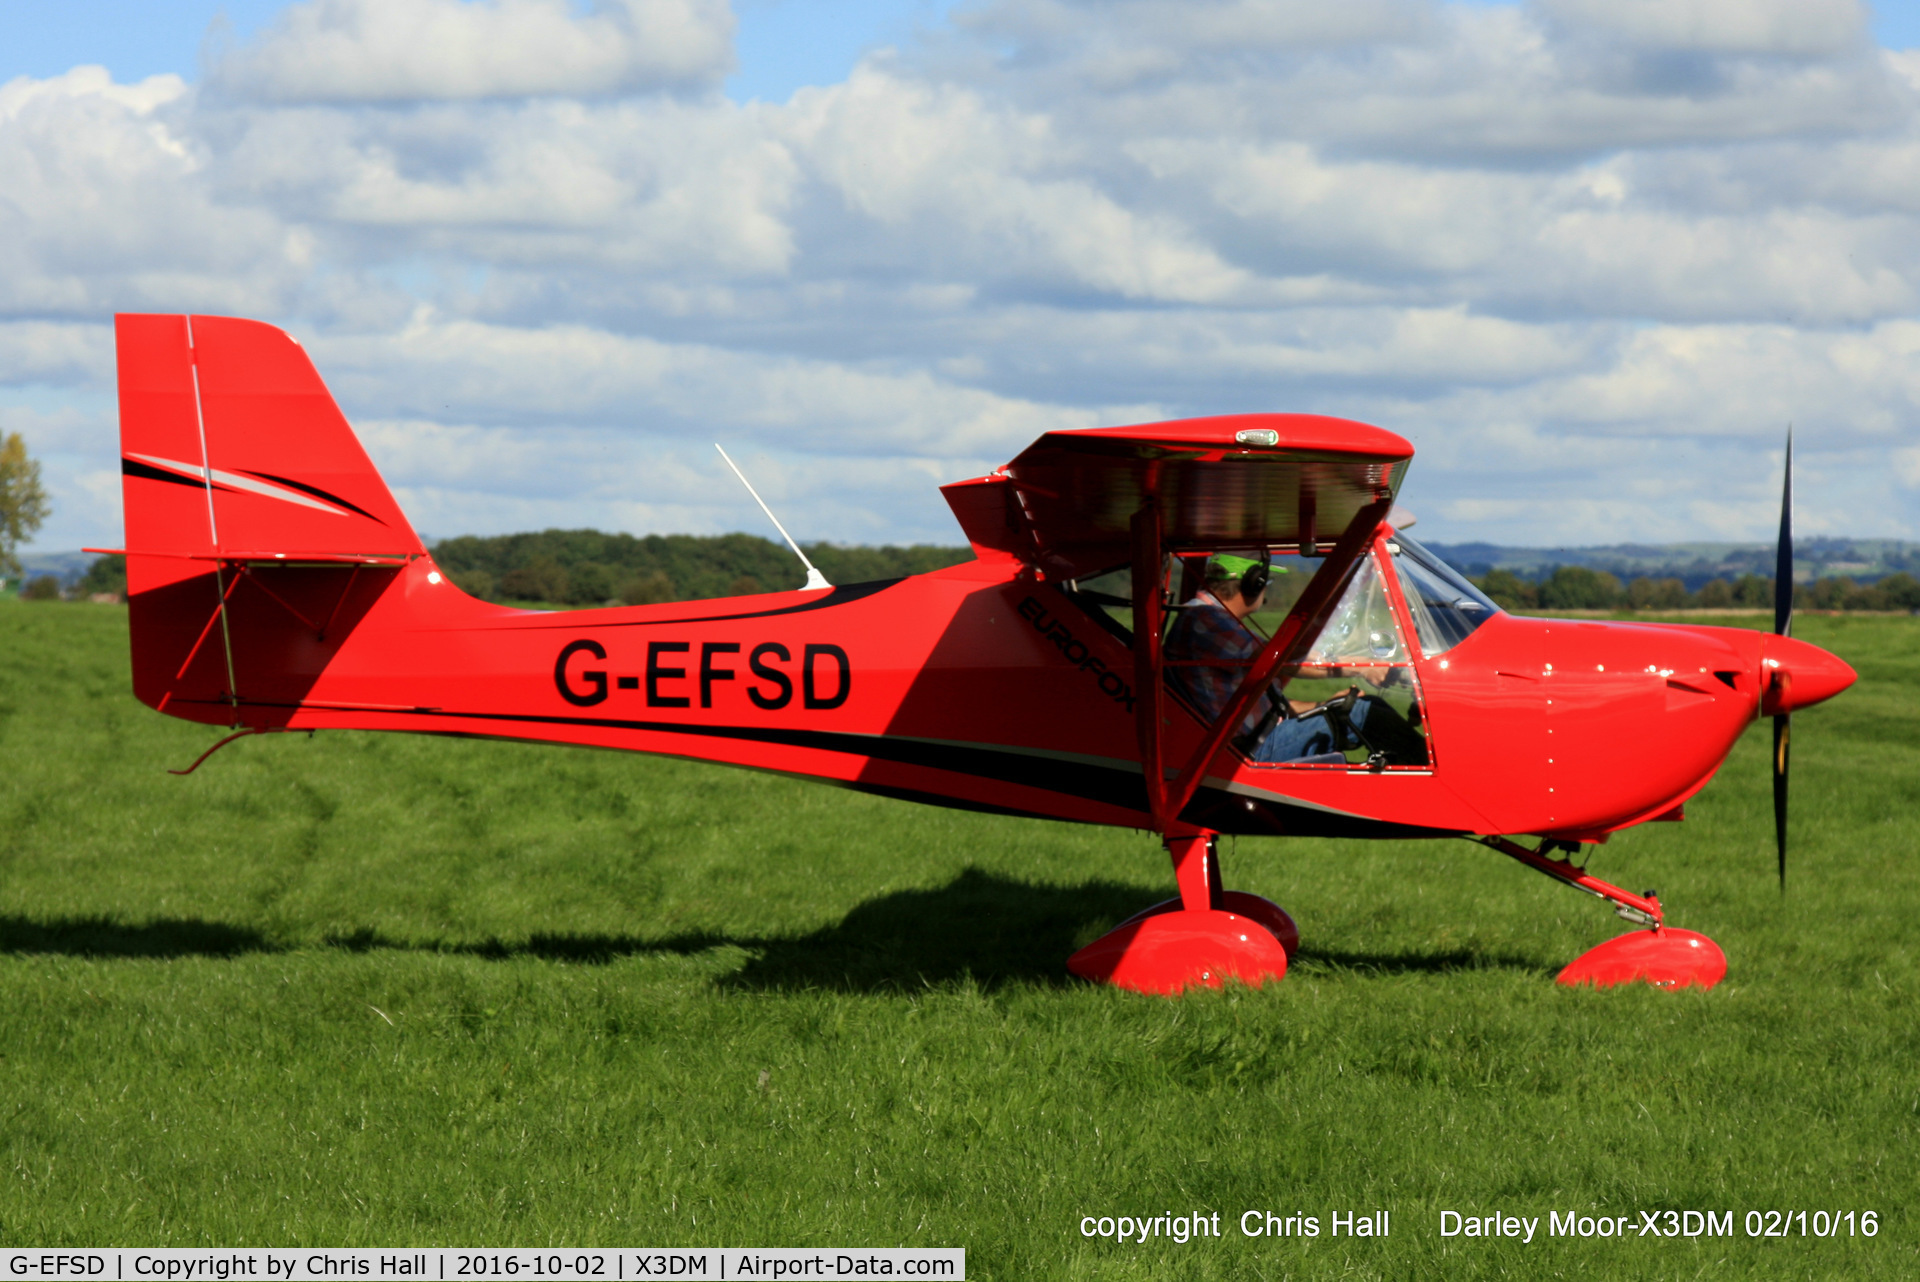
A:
x: 1222, y: 566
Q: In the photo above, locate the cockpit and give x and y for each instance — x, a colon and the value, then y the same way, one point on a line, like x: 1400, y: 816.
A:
x: 1347, y: 693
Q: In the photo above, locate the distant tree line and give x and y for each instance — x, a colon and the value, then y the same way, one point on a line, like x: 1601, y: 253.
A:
x: 586, y: 567
x: 105, y: 579
x: 1577, y: 587
x: 107, y: 576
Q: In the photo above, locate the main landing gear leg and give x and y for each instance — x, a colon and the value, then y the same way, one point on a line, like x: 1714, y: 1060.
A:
x: 1206, y: 936
x: 1661, y: 955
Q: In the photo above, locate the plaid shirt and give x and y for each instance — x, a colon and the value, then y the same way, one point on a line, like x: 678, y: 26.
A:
x: 1205, y: 629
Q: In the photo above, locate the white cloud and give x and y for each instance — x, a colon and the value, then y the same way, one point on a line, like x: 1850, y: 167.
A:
x: 633, y: 386
x: 1115, y: 46
x: 651, y: 483
x: 66, y: 429
x: 1230, y: 27
x: 985, y: 182
x: 22, y: 93
x: 640, y: 187
x: 55, y: 352
x: 1906, y: 464
x: 401, y: 50
x: 1495, y: 82
x: 1801, y: 28
x: 104, y: 204
x: 1591, y: 259
x: 1904, y: 63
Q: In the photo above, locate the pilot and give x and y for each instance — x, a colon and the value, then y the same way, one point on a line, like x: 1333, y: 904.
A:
x: 1211, y: 626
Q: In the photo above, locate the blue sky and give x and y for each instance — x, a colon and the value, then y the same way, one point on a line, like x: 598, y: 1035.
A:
x: 783, y: 44
x: 1590, y: 256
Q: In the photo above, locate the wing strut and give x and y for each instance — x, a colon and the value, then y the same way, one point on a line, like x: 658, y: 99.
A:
x: 1150, y: 714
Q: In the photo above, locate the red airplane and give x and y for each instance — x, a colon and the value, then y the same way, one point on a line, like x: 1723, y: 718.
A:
x: 1099, y: 660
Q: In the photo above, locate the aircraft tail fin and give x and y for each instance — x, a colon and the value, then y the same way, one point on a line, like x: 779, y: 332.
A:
x: 231, y: 444
x: 256, y: 525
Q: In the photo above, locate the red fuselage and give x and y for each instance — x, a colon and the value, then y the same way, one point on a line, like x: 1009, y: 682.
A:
x: 983, y: 686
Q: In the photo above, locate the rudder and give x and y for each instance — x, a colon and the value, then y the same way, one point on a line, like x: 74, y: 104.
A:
x: 256, y: 524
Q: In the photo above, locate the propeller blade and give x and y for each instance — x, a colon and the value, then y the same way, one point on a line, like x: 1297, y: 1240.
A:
x: 1783, y: 554
x: 1783, y: 626
x: 1780, y: 727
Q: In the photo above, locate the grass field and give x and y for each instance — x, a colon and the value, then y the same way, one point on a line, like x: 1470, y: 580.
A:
x: 367, y: 990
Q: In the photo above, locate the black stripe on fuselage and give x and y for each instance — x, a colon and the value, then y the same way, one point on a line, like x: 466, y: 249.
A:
x: 1075, y: 779
x: 838, y: 596
x: 1122, y: 788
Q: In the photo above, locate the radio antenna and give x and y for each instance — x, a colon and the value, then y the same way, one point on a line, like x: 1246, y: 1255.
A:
x: 815, y: 579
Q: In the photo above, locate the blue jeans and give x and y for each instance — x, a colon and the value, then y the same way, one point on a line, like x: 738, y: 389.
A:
x: 1308, y: 736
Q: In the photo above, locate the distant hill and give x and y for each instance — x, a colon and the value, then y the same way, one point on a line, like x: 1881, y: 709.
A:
x: 1694, y: 564
x: 64, y: 566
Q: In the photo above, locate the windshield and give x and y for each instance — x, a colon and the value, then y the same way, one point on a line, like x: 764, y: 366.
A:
x: 1360, y: 633
x: 1446, y: 608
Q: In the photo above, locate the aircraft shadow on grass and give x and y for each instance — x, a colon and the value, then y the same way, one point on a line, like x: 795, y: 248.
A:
x: 1326, y: 960
x: 104, y: 937
x: 979, y: 928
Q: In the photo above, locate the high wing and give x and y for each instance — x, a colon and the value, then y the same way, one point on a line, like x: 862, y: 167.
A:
x: 1068, y: 502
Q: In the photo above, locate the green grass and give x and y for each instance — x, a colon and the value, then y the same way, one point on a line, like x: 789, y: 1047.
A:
x: 377, y: 990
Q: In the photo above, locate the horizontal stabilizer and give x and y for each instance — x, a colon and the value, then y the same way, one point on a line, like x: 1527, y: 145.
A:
x: 244, y: 556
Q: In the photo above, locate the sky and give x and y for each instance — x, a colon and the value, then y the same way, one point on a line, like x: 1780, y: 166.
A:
x: 1591, y: 256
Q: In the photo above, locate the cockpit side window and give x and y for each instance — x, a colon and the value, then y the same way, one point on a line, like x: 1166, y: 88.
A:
x: 1108, y: 598
x: 1346, y: 695
x: 1361, y: 631
x: 1350, y: 696
x: 1445, y: 607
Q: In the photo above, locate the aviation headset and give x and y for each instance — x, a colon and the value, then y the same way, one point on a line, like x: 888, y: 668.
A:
x: 1253, y: 579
